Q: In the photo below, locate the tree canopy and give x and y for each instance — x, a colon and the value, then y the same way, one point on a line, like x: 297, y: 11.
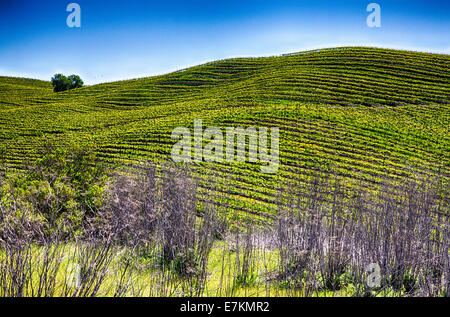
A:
x: 62, y: 83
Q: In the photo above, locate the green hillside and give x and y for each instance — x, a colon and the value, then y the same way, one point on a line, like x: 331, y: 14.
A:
x: 371, y: 114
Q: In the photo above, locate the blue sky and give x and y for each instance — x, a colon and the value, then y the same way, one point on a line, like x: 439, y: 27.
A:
x: 129, y: 39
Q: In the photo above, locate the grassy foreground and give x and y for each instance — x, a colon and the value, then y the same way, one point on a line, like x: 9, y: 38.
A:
x: 150, y: 237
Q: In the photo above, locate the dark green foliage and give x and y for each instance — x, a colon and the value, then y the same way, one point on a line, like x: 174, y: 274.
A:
x: 75, y: 81
x: 62, y: 83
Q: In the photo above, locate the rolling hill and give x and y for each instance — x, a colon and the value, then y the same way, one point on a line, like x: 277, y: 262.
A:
x: 371, y: 114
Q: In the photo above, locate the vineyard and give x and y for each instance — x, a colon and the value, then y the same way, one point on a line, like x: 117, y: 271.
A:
x: 366, y: 115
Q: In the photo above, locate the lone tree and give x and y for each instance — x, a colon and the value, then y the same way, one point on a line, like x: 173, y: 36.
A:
x: 61, y: 82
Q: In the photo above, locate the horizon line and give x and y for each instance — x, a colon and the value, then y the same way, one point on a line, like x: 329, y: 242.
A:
x: 313, y: 49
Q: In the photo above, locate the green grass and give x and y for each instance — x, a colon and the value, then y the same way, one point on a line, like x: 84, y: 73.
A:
x: 370, y: 113
x: 141, y: 277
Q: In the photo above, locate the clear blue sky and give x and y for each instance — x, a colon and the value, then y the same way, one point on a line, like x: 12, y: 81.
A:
x: 130, y: 39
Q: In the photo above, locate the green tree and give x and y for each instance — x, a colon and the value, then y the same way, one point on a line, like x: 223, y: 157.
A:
x: 62, y: 83
x: 75, y: 81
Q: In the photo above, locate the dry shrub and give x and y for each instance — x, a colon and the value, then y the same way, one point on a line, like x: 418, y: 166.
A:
x: 338, y: 232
